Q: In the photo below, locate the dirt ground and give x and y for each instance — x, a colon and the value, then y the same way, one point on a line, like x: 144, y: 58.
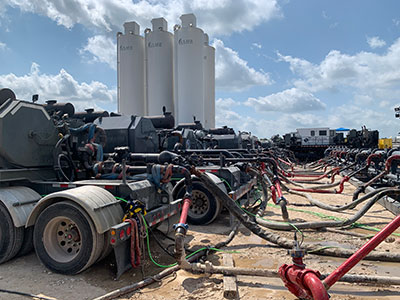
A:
x: 26, y: 274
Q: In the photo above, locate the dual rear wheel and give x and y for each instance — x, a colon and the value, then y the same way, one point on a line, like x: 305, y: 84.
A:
x: 66, y: 240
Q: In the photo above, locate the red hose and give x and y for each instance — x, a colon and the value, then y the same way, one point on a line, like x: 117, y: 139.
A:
x: 273, y: 193
x: 339, y: 191
x: 286, y: 163
x: 371, y: 156
x: 185, y: 209
x: 278, y: 188
x: 361, y: 253
x: 334, y: 172
x: 135, y: 244
x: 389, y: 162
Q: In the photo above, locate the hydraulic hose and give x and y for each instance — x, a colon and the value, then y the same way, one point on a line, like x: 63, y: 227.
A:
x: 338, y: 208
x: 322, y: 224
x: 181, y: 227
x: 277, y: 239
x: 322, y: 191
x: 281, y: 201
x: 264, y: 201
x: 388, y: 165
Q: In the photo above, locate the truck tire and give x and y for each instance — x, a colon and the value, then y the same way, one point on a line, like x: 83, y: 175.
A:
x: 66, y: 240
x: 27, y: 245
x: 204, y: 208
x: 11, y: 237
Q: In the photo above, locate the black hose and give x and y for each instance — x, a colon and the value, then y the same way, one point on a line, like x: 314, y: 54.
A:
x: 338, y: 208
x: 261, y: 209
x: 277, y: 239
x: 322, y: 224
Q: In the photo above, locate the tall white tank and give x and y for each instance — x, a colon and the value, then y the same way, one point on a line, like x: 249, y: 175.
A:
x: 189, y: 87
x: 209, y: 84
x: 131, y: 71
x: 159, y: 68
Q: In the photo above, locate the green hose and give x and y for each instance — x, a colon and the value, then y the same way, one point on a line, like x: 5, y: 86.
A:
x: 174, y: 264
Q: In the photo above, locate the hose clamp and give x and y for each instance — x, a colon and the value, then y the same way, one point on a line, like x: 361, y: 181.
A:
x: 278, y: 200
x: 181, y: 225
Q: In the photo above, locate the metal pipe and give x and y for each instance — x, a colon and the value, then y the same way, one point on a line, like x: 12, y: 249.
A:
x: 316, y: 287
x: 361, y: 253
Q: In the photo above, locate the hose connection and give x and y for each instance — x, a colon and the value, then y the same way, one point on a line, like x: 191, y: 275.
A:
x: 301, y: 282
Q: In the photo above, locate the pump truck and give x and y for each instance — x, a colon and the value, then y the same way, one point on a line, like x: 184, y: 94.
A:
x: 62, y: 194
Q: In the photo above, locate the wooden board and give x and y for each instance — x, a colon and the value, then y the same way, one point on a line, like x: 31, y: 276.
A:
x: 230, y: 286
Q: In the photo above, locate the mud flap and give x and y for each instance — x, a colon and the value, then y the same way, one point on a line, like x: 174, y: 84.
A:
x: 121, y: 248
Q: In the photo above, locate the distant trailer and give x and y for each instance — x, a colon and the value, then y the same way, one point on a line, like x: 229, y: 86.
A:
x: 316, y: 136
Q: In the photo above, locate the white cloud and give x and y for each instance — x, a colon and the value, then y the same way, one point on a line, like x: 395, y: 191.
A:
x: 375, y: 42
x: 348, y: 115
x: 264, y: 127
x: 256, y: 45
x: 334, y: 25
x: 369, y: 82
x: 225, y: 116
x: 61, y: 86
x: 291, y: 100
x: 102, y: 49
x: 364, y: 71
x: 232, y: 72
x: 226, y: 103
x: 325, y: 15
x: 2, y: 46
x: 217, y: 17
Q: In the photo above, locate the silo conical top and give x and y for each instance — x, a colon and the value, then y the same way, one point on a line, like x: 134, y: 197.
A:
x: 159, y: 24
x: 188, y: 20
x: 132, y: 28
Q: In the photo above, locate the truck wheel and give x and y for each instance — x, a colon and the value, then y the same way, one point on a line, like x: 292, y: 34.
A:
x: 204, y: 208
x: 27, y: 245
x: 65, y: 239
x: 11, y: 237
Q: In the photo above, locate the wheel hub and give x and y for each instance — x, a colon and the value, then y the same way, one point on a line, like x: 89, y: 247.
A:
x: 62, y: 239
x: 200, y: 203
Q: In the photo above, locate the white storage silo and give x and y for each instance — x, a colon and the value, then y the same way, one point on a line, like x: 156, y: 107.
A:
x: 131, y: 71
x: 189, y: 87
x: 209, y: 84
x: 159, y: 68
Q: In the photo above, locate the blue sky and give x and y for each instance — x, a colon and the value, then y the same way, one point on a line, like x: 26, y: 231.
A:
x: 280, y: 65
